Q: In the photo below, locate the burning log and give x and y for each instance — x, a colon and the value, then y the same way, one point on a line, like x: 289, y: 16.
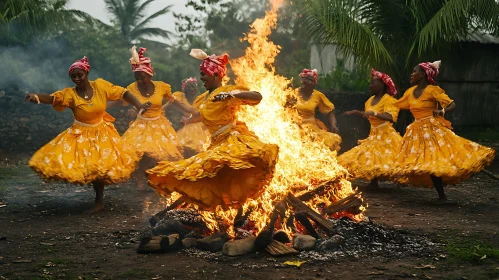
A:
x: 351, y: 202
x: 161, y: 214
x: 302, y: 208
x: 276, y: 249
x: 264, y: 238
x: 318, y: 191
x: 159, y: 244
x: 305, y: 222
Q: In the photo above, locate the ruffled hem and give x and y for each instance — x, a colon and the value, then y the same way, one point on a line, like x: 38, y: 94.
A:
x: 155, y: 138
x: 374, y: 157
x: 430, y: 149
x: 227, y: 174
x: 82, y: 155
x: 331, y: 140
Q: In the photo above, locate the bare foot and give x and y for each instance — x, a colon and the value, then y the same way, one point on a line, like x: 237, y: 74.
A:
x: 99, y: 206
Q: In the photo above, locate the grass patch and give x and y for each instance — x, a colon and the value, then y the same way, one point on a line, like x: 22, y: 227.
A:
x: 469, y: 249
x: 18, y: 174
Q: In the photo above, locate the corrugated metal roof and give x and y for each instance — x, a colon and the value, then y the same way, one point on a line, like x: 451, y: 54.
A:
x: 483, y: 38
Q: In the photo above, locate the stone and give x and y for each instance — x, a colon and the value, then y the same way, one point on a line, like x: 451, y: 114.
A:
x: 304, y: 242
x: 189, y: 242
x: 214, y: 242
x: 332, y: 243
x: 239, y: 247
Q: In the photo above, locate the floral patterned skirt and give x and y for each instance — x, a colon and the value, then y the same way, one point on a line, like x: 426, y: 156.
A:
x: 192, y: 137
x: 155, y: 138
x: 237, y: 166
x: 430, y: 148
x: 84, y: 154
x: 317, y: 131
x: 374, y: 156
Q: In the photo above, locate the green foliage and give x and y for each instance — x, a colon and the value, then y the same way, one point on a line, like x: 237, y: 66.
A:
x: 469, y: 249
x: 393, y: 35
x: 342, y: 79
x: 128, y: 19
x: 23, y: 20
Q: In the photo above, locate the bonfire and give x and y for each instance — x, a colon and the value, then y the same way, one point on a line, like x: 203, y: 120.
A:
x: 309, y: 186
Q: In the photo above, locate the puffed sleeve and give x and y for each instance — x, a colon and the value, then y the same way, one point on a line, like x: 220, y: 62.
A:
x: 390, y: 108
x: 325, y: 106
x: 440, y: 95
x: 112, y: 92
x: 166, y: 90
x: 403, y: 102
x: 62, y: 99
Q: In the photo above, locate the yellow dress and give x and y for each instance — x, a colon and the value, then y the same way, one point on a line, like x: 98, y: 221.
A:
x: 429, y: 147
x: 315, y: 128
x: 151, y: 133
x: 90, y: 150
x: 193, y: 136
x: 236, y: 166
x: 374, y: 156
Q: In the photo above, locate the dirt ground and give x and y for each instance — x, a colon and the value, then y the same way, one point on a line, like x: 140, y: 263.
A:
x: 44, y: 234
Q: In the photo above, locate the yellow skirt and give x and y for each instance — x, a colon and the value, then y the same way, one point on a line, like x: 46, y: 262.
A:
x: 192, y: 137
x: 155, y: 138
x: 237, y: 166
x: 84, y: 154
x: 317, y: 131
x: 430, y: 148
x: 374, y: 156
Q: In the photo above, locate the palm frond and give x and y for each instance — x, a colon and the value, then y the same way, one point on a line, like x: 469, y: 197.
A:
x: 150, y: 31
x: 339, y: 22
x: 161, y: 12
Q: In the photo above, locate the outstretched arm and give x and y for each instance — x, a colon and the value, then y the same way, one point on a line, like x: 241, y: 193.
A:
x: 249, y: 97
x: 383, y: 116
x: 38, y: 98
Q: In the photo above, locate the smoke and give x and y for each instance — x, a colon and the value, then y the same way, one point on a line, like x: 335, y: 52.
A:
x: 40, y: 66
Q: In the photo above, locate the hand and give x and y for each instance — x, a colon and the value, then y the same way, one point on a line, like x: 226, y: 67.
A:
x: 437, y: 113
x: 353, y: 112
x: 33, y: 98
x: 369, y: 113
x: 290, y: 101
x: 222, y: 96
x: 334, y: 129
x: 185, y: 120
x: 144, y: 107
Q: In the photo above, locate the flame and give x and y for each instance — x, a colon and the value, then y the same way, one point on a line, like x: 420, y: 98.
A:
x: 303, y: 164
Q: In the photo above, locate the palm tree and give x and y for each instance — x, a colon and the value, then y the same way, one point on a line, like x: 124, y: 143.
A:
x: 23, y: 20
x: 128, y: 15
x: 392, y: 35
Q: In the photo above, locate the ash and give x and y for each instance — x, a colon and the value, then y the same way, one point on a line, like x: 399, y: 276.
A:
x: 356, y: 240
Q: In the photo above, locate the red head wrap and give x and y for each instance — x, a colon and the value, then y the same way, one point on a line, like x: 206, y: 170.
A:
x: 212, y: 64
x: 188, y: 81
x: 80, y: 64
x: 139, y: 62
x: 390, y: 86
x: 431, y: 70
x: 310, y: 73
